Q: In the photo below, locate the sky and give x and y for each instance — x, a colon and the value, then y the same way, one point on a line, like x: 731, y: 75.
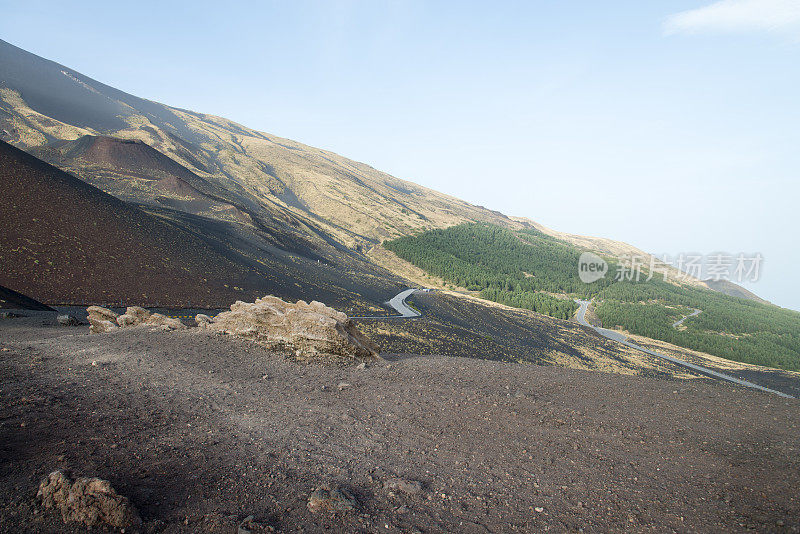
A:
x: 671, y: 125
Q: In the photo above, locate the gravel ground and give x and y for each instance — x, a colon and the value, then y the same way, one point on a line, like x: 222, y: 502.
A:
x: 200, y: 431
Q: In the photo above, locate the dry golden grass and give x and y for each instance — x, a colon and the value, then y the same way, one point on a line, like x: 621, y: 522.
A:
x: 407, y: 270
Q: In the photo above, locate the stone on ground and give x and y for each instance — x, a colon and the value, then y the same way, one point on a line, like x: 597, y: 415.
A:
x: 167, y: 323
x: 134, y: 315
x: 67, y: 320
x: 91, y: 501
x: 202, y: 320
x: 329, y: 499
x: 403, y: 485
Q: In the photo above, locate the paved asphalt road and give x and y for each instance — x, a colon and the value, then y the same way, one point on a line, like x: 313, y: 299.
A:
x: 620, y: 338
x: 398, y: 302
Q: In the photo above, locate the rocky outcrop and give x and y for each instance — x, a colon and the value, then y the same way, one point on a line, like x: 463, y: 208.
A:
x: 166, y: 323
x: 91, y: 501
x: 104, y: 320
x: 134, y: 315
x: 311, y: 330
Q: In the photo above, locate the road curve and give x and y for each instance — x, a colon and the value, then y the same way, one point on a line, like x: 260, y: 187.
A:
x: 398, y: 302
x: 620, y: 338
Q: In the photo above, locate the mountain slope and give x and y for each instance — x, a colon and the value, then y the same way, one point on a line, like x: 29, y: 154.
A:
x: 43, y: 102
x: 135, y: 172
x: 298, y: 198
x: 14, y: 300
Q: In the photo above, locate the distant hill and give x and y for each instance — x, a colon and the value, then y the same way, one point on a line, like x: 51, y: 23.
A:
x: 613, y: 248
x: 734, y: 290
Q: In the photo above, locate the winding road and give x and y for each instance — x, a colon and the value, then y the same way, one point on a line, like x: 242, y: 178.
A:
x: 620, y: 338
x: 679, y: 322
x: 398, y: 302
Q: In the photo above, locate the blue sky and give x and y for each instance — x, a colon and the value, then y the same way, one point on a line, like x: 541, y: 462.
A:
x: 669, y: 125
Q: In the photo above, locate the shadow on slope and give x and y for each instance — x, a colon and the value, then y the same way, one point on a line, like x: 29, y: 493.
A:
x: 10, y: 299
x: 70, y: 243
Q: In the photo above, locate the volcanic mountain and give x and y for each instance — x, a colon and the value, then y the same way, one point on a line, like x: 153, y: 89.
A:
x: 273, y: 200
x: 301, y: 199
x: 43, y: 103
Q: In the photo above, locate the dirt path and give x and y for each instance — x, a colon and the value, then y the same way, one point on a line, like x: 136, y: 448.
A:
x: 201, y: 431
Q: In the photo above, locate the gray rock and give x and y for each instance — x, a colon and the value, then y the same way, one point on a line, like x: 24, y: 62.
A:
x: 101, y: 326
x: 403, y: 485
x: 101, y: 320
x: 68, y: 320
x: 311, y: 330
x: 166, y: 323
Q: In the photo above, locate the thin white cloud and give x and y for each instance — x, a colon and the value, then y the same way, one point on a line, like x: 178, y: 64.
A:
x: 738, y: 16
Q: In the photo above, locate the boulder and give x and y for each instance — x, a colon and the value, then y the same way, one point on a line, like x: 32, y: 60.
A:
x: 101, y: 320
x: 100, y: 313
x: 105, y: 320
x: 101, y: 326
x: 403, y: 485
x: 310, y: 330
x: 134, y: 315
x: 91, y: 501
